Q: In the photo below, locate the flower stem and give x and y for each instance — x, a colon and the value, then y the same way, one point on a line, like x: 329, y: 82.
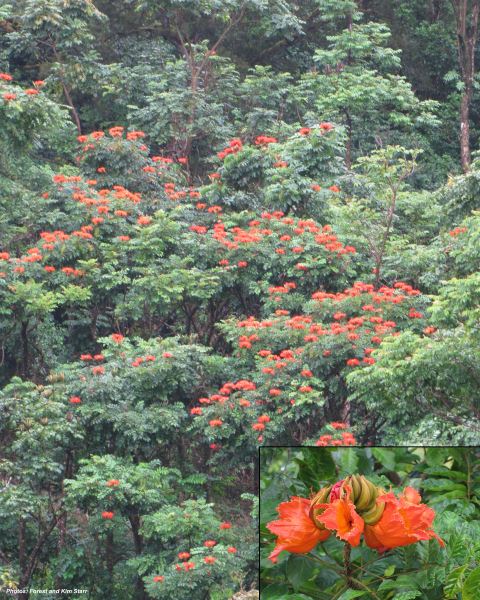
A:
x: 362, y: 586
x: 353, y: 583
x: 348, y: 566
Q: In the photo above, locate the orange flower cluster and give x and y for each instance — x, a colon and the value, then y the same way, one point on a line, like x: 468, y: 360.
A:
x: 374, y: 302
x: 96, y: 202
x: 457, y: 231
x: 184, y: 556
x: 349, y: 509
x: 346, y: 438
x: 279, y: 228
x: 264, y: 140
x: 233, y: 147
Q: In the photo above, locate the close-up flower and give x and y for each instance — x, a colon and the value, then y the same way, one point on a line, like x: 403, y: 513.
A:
x: 349, y: 509
x: 349, y: 532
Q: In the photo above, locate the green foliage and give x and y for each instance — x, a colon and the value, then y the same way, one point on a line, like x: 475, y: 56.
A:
x: 359, y: 74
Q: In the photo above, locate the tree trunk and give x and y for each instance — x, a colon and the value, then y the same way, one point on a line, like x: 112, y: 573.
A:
x: 62, y: 520
x: 465, y: 130
x: 74, y: 111
x: 348, y: 146
x: 380, y: 253
x: 109, y: 556
x: 140, y: 593
x: 137, y: 538
x: 466, y: 17
x: 25, y: 350
x: 434, y: 10
x: 21, y: 546
x: 30, y: 567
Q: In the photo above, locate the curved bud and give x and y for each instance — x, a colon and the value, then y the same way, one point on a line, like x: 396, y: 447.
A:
x: 372, y: 516
x: 321, y: 497
x: 356, y: 487
x: 364, y: 499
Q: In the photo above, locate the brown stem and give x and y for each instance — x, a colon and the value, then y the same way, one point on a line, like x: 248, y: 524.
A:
x: 66, y: 91
x: 255, y: 477
x: 380, y: 253
x: 347, y: 550
x: 137, y: 538
x: 197, y: 70
x: 68, y: 97
x: 32, y: 562
x: 353, y: 583
x: 383, y: 245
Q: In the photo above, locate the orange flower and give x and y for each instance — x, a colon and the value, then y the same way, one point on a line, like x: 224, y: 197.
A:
x: 295, y: 529
x: 340, y: 516
x: 404, y: 521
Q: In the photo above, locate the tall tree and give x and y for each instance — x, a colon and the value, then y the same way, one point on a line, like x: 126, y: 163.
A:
x: 466, y: 17
x: 366, y: 93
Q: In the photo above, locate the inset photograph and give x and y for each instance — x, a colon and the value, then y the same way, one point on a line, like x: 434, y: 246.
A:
x: 382, y: 523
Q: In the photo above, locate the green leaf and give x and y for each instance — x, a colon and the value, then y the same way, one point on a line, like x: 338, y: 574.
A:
x: 471, y: 587
x: 445, y: 472
x: 348, y: 461
x: 443, y: 485
x: 273, y: 591
x: 300, y: 570
x: 349, y: 594
x: 315, y: 467
x: 385, y: 457
x: 453, y: 582
x: 403, y: 583
x: 449, y: 496
x: 436, y: 456
x: 389, y: 571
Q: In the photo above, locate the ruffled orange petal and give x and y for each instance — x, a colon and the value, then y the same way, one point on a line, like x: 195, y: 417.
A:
x: 411, y: 495
x: 342, y: 517
x: 404, y: 521
x: 295, y: 529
